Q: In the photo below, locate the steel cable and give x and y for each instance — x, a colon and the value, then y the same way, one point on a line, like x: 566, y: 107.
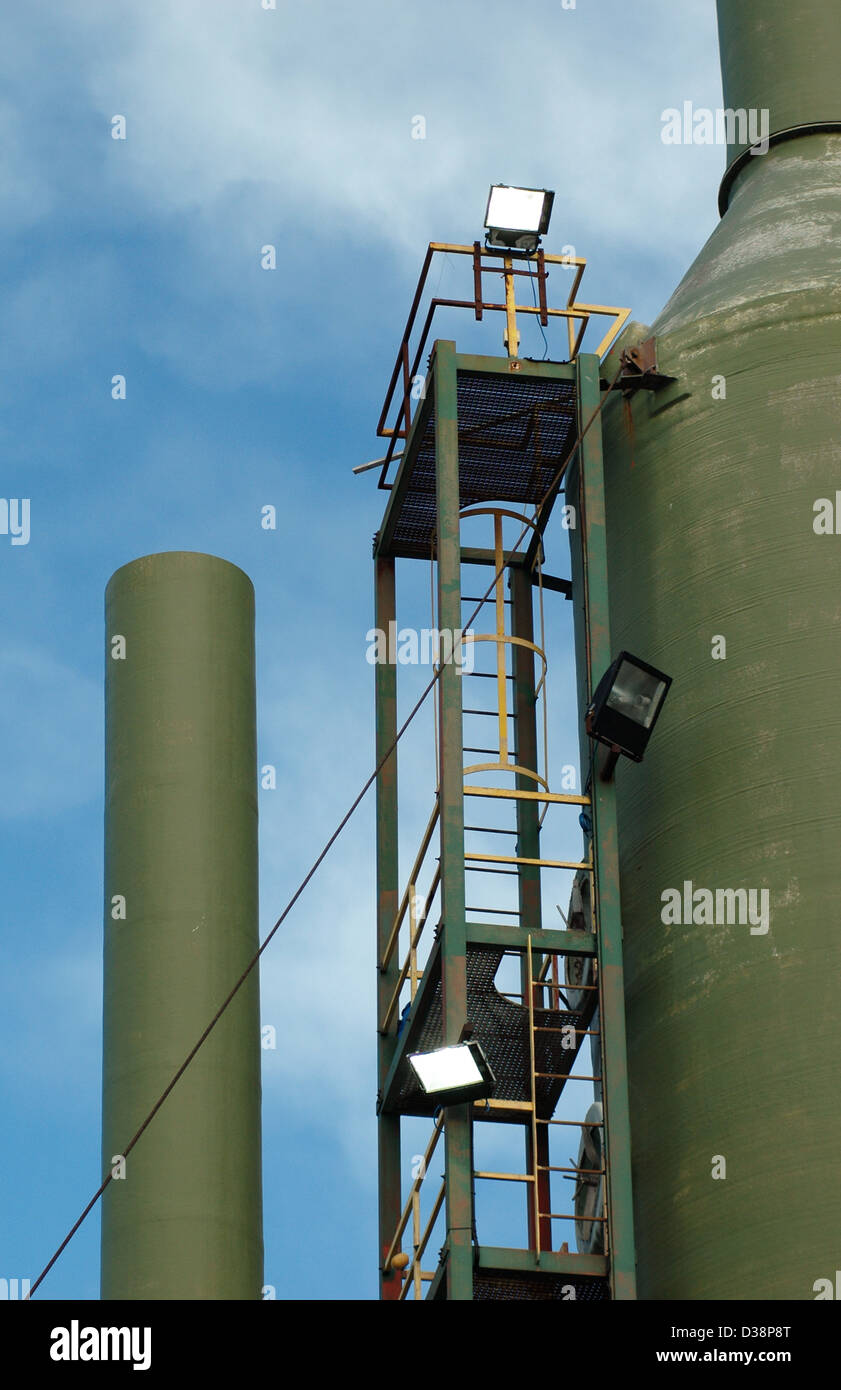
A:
x: 325, y: 851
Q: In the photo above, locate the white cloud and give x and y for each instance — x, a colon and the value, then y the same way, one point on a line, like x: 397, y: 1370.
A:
x: 294, y: 127
x: 32, y: 198
x: 313, y: 104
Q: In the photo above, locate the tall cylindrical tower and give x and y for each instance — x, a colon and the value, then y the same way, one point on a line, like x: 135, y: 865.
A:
x: 719, y: 576
x: 181, y: 923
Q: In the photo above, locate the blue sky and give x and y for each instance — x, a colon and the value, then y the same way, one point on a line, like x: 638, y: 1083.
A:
x: 247, y: 126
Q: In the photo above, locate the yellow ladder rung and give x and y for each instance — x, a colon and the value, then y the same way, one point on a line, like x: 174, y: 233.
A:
x: 521, y: 859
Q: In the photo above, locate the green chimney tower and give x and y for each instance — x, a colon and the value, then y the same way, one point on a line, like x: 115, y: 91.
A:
x: 181, y: 924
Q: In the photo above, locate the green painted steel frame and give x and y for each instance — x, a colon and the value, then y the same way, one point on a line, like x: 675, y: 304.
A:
x: 458, y: 1131
x: 388, y: 1128
x: 476, y: 365
x: 592, y: 654
x: 500, y: 1260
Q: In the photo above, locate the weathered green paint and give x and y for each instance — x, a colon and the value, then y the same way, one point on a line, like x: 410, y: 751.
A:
x: 734, y: 1038
x: 447, y: 960
x: 590, y: 573
x: 388, y: 889
x: 551, y: 1262
x: 181, y: 849
x: 502, y: 934
x: 507, y: 366
x: 458, y: 1159
x: 525, y: 733
x: 783, y: 58
x: 450, y: 684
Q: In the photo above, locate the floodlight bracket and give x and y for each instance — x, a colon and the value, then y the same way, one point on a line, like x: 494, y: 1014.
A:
x: 609, y: 765
x: 639, y: 369
x: 517, y: 253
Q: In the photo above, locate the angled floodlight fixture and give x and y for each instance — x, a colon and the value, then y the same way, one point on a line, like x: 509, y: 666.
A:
x: 453, y: 1075
x: 516, y: 218
x: 625, y: 708
x: 589, y: 1188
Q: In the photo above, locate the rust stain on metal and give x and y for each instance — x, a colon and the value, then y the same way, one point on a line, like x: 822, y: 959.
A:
x: 628, y: 421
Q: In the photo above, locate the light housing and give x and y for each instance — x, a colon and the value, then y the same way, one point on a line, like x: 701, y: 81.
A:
x: 626, y: 705
x: 453, y: 1075
x: 579, y: 970
x: 589, y: 1189
x: 516, y: 218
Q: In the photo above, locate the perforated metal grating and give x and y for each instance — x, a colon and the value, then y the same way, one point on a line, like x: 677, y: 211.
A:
x: 514, y: 434
x: 502, y: 1027
x: 504, y: 1285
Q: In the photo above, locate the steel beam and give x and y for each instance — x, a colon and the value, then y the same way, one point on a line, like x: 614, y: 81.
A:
x: 574, y: 943
x: 593, y: 651
x: 503, y: 366
x: 388, y: 891
x: 384, y: 539
x: 458, y: 1161
x: 525, y: 1261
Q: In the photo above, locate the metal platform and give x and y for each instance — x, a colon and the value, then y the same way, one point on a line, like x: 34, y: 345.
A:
x: 502, y: 1028
x: 516, y: 1276
x: 507, y: 1286
x: 515, y: 432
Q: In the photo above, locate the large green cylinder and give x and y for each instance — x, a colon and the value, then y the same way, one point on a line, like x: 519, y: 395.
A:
x: 779, y: 56
x: 734, y: 1035
x: 185, y: 1222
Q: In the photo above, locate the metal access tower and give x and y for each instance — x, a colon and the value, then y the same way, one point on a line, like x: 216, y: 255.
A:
x: 497, y: 437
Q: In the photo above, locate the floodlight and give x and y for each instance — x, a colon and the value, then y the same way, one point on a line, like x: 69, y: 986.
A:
x: 452, y: 1075
x: 516, y: 218
x: 625, y: 707
x: 589, y: 1189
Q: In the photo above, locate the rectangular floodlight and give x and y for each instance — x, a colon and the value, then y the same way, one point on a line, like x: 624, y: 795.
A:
x: 452, y: 1075
x: 516, y: 218
x: 626, y: 705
